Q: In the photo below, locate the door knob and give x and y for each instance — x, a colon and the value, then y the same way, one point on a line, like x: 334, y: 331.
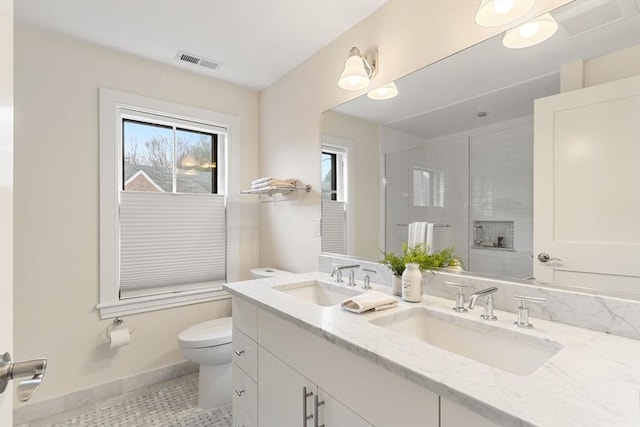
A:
x: 10, y: 370
x: 544, y: 257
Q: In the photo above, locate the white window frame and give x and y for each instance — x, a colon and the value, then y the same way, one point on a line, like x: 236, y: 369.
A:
x: 346, y: 181
x: 112, y: 104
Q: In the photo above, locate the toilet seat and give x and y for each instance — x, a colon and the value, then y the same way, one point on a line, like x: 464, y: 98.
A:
x: 206, y: 334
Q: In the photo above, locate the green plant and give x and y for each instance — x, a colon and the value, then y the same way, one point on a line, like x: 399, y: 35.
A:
x: 394, y: 262
x: 447, y: 258
x: 418, y: 255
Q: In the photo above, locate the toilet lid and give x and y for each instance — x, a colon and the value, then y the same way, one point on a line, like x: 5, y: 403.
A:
x: 206, y: 334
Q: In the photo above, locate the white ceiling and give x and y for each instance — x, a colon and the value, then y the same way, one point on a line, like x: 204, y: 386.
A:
x: 445, y: 97
x: 257, y: 41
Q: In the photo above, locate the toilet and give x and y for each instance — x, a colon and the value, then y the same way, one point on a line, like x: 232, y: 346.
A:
x: 264, y: 272
x: 209, y: 344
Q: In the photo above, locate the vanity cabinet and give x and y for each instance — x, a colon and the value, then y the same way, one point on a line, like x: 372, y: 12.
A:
x: 279, y: 370
x: 355, y: 391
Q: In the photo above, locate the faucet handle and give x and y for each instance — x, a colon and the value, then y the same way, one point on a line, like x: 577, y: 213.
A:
x: 523, y: 311
x: 367, y: 278
x: 460, y: 308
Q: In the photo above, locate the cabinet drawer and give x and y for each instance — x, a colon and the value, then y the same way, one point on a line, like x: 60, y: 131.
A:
x: 245, y: 393
x: 245, y: 317
x: 245, y: 353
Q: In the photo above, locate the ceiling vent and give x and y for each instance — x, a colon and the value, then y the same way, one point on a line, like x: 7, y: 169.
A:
x: 197, y: 60
x: 590, y: 16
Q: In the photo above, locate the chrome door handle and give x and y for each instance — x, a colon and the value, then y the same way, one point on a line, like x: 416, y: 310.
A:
x: 239, y: 352
x: 29, y: 368
x: 305, y: 395
x: 317, y: 404
x: 239, y: 392
x: 544, y: 257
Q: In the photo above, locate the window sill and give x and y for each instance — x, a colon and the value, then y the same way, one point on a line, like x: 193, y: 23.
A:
x: 159, y: 302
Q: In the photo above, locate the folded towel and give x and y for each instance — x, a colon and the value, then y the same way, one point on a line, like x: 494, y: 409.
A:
x: 273, y: 184
x: 428, y: 240
x: 269, y: 181
x: 369, y: 300
x: 421, y: 232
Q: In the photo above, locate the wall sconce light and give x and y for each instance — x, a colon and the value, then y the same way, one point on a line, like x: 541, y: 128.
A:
x: 387, y: 91
x: 359, y: 69
x: 530, y: 33
x: 492, y: 13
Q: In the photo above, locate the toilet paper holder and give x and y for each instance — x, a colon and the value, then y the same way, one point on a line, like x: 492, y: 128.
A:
x: 116, y: 322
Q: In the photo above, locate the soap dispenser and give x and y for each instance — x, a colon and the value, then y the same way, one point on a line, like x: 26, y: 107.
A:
x: 412, y: 283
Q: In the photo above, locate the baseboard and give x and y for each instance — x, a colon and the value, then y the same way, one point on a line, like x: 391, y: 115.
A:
x: 28, y: 412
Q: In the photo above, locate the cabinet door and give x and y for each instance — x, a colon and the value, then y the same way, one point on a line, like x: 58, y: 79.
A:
x: 453, y: 415
x: 281, y: 400
x: 332, y: 413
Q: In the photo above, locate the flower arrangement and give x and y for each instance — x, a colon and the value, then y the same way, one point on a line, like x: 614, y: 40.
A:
x: 418, y: 255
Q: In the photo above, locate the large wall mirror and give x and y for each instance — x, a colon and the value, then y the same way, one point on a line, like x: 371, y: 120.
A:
x: 455, y: 147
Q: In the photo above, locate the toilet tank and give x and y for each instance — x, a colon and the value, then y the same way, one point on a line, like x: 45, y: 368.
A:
x: 262, y: 272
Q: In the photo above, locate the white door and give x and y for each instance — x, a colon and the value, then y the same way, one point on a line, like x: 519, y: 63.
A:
x: 586, y: 187
x: 6, y: 196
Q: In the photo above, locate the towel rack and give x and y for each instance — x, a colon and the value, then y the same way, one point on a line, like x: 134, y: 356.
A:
x: 276, y: 190
x: 435, y: 225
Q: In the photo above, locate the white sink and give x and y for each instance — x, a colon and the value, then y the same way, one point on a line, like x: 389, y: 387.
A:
x: 508, y: 350
x: 319, y: 293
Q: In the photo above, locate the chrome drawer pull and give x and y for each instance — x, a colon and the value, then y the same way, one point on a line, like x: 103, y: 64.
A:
x: 318, y: 404
x: 305, y: 395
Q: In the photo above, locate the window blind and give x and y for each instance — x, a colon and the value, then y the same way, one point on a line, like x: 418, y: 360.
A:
x: 334, y: 227
x: 170, y: 242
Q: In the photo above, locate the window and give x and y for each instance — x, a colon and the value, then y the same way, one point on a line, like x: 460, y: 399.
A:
x: 162, y: 158
x: 335, y: 237
x: 428, y: 187
x: 333, y: 173
x: 163, y: 223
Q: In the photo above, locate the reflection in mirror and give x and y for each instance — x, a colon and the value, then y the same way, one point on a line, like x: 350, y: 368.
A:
x: 456, y: 146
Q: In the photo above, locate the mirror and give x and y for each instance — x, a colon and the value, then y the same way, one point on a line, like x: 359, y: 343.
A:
x: 455, y: 147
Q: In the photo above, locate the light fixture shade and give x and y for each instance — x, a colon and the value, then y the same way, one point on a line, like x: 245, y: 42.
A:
x: 492, y: 13
x: 387, y: 91
x: 530, y: 33
x: 354, y: 76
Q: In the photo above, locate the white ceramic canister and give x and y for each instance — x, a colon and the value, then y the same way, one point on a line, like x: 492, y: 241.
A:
x: 412, y: 283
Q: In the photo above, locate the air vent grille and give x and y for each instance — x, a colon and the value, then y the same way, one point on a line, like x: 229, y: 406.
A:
x: 197, y: 60
x: 189, y: 58
x: 595, y: 17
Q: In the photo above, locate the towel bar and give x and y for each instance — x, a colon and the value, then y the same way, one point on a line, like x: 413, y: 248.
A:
x: 435, y: 225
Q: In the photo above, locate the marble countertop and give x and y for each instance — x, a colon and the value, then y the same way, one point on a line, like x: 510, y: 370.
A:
x: 593, y: 380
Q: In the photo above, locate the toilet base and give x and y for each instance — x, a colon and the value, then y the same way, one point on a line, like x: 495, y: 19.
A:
x: 214, y: 386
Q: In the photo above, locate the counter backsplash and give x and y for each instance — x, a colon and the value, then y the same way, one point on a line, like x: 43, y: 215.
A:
x: 600, y: 313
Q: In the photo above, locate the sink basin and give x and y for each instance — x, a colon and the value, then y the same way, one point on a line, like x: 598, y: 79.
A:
x: 319, y: 293
x: 510, y: 351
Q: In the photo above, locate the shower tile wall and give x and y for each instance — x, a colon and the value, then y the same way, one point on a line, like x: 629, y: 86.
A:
x: 488, y: 177
x: 501, y: 177
x: 450, y: 157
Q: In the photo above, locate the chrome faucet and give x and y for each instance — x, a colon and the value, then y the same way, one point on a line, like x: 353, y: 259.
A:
x: 337, y: 273
x: 488, y: 302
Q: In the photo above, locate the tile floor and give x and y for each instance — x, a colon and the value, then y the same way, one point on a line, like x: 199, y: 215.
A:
x: 172, y: 403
